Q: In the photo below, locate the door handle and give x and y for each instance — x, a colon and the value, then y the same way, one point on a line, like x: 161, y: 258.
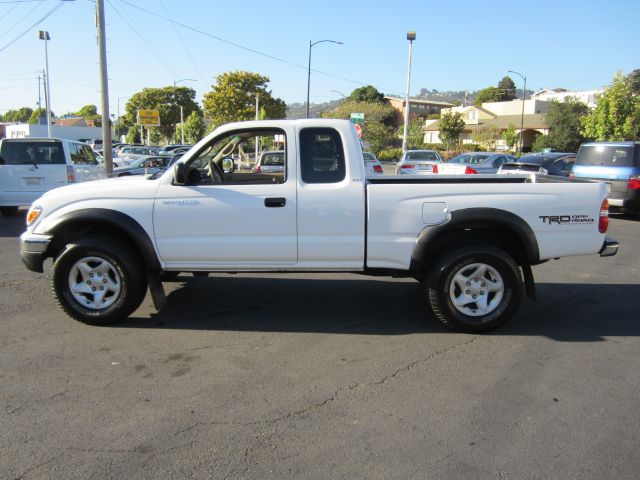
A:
x: 275, y: 202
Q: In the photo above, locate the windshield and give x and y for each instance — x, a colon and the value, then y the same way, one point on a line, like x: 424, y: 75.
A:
x: 609, y: 155
x: 469, y: 159
x: 39, y: 153
x: 369, y: 157
x: 269, y: 159
x: 422, y: 155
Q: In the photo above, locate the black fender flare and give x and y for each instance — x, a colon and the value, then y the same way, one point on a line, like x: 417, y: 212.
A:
x: 119, y: 221
x: 475, y: 217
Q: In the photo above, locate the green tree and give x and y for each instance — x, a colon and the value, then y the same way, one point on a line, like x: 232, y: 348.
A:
x: 489, y: 94
x: 617, y: 114
x: 133, y: 134
x: 486, y: 135
x: 232, y: 98
x: 366, y: 94
x: 378, y: 135
x: 21, y: 115
x: 510, y: 136
x: 634, y: 81
x: 90, y: 113
x: 167, y: 100
x: 38, y: 116
x: 506, y: 89
x: 415, y: 135
x: 565, y: 127
x: 540, y: 143
x: 194, y: 128
x: 451, y: 126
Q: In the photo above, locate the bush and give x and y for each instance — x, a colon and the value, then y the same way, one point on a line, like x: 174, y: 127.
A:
x: 390, y: 154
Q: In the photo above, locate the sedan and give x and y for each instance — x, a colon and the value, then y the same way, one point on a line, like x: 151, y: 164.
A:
x: 143, y: 166
x: 558, y: 164
x: 372, y: 164
x: 477, y: 162
x: 270, y: 162
x: 418, y: 162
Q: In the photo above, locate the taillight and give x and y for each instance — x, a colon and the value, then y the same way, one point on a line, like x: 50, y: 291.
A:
x: 377, y: 168
x: 603, y: 223
x: 71, y: 174
x: 258, y: 169
x: 435, y: 169
x: 571, y: 176
x: 468, y: 170
x: 634, y: 182
x: 407, y: 165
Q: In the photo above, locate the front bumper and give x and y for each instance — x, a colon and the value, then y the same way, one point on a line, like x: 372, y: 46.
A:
x: 33, y: 248
x: 609, y: 247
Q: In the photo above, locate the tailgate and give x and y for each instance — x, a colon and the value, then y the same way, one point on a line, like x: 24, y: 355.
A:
x: 32, y: 178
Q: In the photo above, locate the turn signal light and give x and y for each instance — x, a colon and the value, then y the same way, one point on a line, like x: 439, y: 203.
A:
x: 603, y: 223
x: 468, y: 170
x: 71, y: 174
x: 634, y: 182
x: 33, y: 214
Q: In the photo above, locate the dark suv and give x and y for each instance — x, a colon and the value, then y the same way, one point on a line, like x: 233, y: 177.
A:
x: 616, y: 163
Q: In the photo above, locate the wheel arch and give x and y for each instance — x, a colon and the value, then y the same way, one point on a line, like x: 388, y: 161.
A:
x: 484, y: 225
x: 102, y: 221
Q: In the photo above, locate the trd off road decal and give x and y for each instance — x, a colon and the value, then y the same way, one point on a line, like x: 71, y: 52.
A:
x: 566, y: 219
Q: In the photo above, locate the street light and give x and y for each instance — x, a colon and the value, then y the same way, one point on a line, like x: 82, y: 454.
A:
x: 524, y: 97
x: 309, y: 68
x: 411, y: 36
x: 175, y: 82
x: 44, y: 35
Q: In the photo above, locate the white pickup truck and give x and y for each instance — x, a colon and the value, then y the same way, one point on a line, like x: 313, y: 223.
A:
x: 471, y: 240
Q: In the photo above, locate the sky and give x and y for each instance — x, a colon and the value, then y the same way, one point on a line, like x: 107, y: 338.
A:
x: 460, y: 45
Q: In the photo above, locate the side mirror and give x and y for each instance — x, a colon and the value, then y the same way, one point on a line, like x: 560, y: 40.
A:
x: 227, y: 165
x: 178, y: 173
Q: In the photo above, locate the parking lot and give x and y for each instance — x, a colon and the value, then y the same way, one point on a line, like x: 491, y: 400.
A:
x: 324, y: 376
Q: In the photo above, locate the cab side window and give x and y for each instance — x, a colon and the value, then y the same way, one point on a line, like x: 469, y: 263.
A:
x: 321, y: 156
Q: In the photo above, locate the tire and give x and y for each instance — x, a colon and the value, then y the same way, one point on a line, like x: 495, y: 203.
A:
x: 474, y: 272
x: 9, y: 211
x: 93, y: 262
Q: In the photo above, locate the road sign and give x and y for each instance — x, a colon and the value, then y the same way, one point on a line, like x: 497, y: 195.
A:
x: 149, y: 118
x: 358, y: 130
x: 357, y: 118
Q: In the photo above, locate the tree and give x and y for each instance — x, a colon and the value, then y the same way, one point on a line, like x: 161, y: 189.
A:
x: 167, y: 100
x: 510, y: 136
x: 194, y: 128
x: 486, y: 135
x: 565, y: 127
x: 232, y: 98
x: 617, y: 114
x: 366, y: 94
x: 489, y: 94
x: 38, y: 117
x: 506, y: 89
x: 378, y: 135
x: 90, y: 114
x: 415, y: 135
x: 133, y: 134
x: 451, y: 126
x: 634, y: 81
x: 21, y: 115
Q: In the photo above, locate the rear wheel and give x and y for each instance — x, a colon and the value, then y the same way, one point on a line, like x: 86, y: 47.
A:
x: 9, y: 211
x: 98, y: 280
x: 475, y: 288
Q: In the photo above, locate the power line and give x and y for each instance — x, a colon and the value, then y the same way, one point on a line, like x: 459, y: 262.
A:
x: 31, y: 27
x: 21, y: 19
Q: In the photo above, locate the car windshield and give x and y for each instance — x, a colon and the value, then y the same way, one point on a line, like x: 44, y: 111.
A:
x: 469, y: 159
x: 38, y: 153
x: 369, y: 157
x: 609, y: 155
x: 273, y: 159
x: 422, y: 155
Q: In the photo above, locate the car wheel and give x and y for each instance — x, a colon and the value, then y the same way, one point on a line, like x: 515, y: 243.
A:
x: 9, y: 211
x: 98, y: 280
x: 474, y: 288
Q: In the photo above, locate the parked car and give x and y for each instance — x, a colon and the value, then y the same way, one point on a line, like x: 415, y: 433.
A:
x: 135, y: 152
x: 31, y: 166
x: 617, y: 164
x: 95, y: 144
x: 270, y: 161
x: 143, y: 166
x: 372, y: 164
x: 167, y: 149
x: 557, y: 163
x: 418, y: 162
x: 476, y: 162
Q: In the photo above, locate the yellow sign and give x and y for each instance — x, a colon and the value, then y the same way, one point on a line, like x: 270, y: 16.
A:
x: 149, y: 118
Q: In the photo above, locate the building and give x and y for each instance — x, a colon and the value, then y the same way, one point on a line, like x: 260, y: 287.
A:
x: 23, y: 130
x: 417, y: 108
x: 497, y: 116
x: 74, y: 122
x: 588, y: 97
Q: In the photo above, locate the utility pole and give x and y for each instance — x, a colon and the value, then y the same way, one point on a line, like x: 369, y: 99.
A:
x: 44, y: 35
x: 411, y: 36
x: 104, y: 87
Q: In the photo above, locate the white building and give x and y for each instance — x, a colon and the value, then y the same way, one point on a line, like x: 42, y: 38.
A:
x: 23, y: 130
x: 588, y: 97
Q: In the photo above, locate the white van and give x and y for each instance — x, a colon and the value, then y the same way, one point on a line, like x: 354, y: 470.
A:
x: 31, y: 166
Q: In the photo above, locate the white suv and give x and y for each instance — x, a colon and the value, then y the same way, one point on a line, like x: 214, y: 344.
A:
x: 31, y: 166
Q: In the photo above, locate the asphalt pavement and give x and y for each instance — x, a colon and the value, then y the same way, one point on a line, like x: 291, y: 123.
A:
x: 324, y: 376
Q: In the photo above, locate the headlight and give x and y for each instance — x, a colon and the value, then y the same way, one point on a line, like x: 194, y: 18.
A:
x: 33, y: 214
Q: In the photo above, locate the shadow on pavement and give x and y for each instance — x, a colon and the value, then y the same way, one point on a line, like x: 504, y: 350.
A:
x: 13, y: 226
x: 565, y: 312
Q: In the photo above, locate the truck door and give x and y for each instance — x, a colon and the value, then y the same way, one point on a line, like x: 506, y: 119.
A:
x: 228, y: 215
x: 331, y: 201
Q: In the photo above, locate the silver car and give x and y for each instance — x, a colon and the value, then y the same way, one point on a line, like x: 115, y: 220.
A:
x: 418, y: 162
x: 372, y: 164
x: 270, y: 161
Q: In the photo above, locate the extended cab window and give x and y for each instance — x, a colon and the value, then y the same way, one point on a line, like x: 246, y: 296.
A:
x: 321, y: 156
x: 241, y: 157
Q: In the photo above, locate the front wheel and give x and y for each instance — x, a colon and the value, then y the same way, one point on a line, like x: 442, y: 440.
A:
x: 475, y: 288
x: 98, y: 280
